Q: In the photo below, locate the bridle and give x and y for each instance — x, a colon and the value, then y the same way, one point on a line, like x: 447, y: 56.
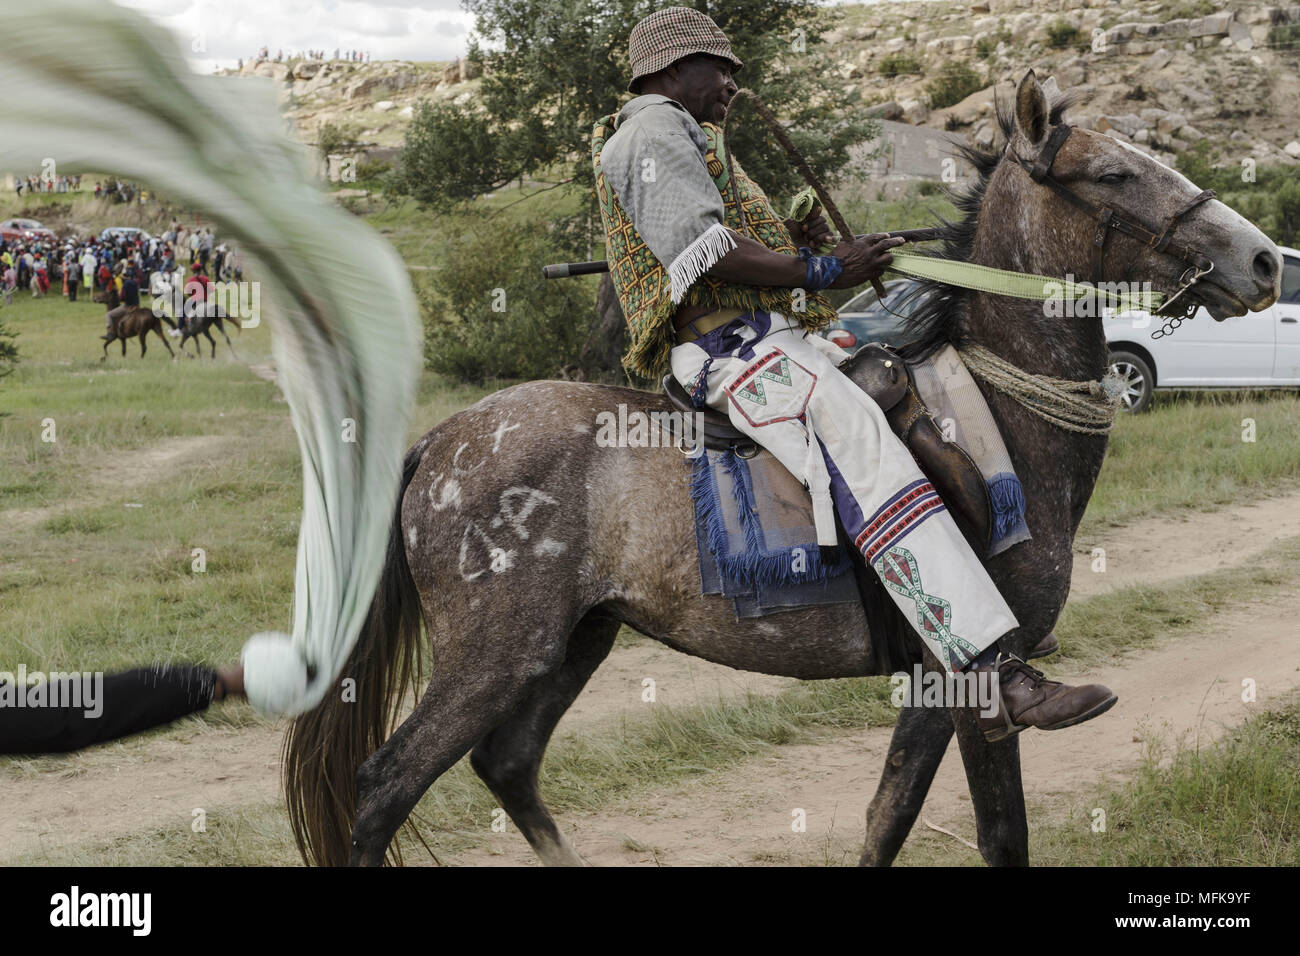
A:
x: 1108, y: 219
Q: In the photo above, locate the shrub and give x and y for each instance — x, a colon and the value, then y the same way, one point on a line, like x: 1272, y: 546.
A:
x: 1061, y: 34
x: 896, y: 64
x: 488, y: 313
x: 955, y: 82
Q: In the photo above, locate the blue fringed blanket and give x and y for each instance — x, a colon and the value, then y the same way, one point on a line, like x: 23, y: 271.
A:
x: 757, y: 544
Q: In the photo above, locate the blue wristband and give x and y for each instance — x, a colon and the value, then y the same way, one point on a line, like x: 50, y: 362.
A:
x: 822, y: 270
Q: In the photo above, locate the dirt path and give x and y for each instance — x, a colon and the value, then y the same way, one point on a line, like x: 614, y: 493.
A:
x: 1159, y: 550
x: 744, y: 816
x: 741, y: 815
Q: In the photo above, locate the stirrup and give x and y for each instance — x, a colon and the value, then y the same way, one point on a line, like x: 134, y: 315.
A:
x: 1011, y: 727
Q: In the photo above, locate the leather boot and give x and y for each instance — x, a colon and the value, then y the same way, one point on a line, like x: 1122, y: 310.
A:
x: 1027, y: 699
x: 1044, y: 648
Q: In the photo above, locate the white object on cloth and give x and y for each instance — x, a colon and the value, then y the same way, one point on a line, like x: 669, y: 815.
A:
x: 698, y: 258
x: 888, y: 516
x: 91, y: 87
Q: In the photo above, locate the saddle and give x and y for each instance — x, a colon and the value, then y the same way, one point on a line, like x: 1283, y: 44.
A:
x: 887, y: 380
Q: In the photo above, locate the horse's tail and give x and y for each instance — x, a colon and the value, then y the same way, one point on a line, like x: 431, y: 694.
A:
x: 325, y: 746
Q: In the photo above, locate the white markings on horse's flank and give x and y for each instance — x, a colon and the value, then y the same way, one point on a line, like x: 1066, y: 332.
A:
x: 517, y: 516
x: 514, y: 508
x: 450, y: 496
x: 412, y: 536
x: 458, y: 468
x: 500, y: 433
x: 549, y: 548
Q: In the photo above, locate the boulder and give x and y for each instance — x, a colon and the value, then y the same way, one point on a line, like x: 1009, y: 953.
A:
x: 1159, y: 60
x: 1128, y: 124
x: 887, y: 111
x: 383, y: 106
x: 306, y: 69
x: 361, y: 87
x: 914, y: 111
x: 1171, y: 122
x: 1191, y: 134
x: 1292, y: 149
x: 1216, y: 24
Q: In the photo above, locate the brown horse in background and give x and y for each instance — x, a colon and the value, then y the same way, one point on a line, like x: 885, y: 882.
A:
x: 139, y: 321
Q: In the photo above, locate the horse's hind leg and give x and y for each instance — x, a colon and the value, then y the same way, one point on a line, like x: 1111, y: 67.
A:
x: 920, y: 740
x: 508, y: 759
x: 996, y: 790
x: 208, y: 333
x: 464, y: 701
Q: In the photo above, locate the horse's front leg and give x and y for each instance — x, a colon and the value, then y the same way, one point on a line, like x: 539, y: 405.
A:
x: 920, y: 740
x: 996, y: 790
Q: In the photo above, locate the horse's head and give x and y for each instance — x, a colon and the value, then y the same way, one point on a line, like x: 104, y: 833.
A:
x: 1084, y: 202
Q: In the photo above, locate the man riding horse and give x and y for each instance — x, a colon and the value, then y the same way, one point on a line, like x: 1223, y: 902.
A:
x: 725, y: 294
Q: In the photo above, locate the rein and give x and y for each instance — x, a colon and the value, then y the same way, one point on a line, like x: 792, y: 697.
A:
x: 1087, y: 407
x: 1109, y: 220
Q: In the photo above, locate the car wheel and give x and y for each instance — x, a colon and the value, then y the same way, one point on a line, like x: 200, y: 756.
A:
x: 1137, y: 379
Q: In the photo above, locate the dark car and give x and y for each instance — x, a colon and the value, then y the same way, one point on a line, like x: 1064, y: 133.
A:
x: 24, y: 230
x: 864, y: 318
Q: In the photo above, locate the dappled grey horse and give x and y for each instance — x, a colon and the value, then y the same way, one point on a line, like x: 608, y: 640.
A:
x: 523, y: 545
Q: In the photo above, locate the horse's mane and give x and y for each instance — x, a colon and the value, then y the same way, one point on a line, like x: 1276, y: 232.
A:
x: 933, y: 323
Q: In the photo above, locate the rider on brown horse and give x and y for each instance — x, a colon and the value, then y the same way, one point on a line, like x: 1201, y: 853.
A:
x: 720, y: 290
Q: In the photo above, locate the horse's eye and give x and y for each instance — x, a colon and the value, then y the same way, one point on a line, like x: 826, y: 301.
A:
x: 1114, y: 179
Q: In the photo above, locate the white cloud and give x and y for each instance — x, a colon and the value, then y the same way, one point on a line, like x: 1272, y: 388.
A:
x: 217, y: 32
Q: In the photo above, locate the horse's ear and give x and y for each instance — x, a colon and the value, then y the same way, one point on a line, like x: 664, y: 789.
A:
x: 1031, y: 110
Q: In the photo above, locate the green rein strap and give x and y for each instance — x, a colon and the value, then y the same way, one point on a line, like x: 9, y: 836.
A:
x: 968, y: 275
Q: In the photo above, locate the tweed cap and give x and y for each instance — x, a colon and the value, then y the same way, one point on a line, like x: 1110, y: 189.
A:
x: 670, y: 34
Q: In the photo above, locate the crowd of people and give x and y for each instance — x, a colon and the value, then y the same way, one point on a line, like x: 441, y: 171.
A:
x: 48, y: 184
x: 131, y: 263
x: 350, y: 56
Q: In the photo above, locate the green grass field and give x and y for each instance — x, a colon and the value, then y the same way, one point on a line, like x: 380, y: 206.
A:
x: 153, y: 459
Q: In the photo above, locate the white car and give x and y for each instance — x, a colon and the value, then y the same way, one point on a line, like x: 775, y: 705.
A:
x: 1255, y: 350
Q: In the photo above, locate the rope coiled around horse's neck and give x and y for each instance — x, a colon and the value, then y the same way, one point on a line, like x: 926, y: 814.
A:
x: 1085, y: 407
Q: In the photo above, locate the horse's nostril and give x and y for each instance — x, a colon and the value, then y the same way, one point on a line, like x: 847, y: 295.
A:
x: 1266, y: 266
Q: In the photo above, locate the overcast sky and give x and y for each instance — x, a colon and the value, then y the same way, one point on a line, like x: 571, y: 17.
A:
x: 217, y: 32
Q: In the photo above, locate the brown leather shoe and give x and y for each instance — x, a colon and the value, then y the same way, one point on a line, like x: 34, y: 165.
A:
x: 1028, y: 699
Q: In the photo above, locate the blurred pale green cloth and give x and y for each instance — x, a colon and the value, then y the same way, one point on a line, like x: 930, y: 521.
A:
x: 91, y: 87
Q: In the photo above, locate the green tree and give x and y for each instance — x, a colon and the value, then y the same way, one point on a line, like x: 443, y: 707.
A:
x: 552, y: 67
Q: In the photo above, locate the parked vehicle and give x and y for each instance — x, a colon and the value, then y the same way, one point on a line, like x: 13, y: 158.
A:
x: 130, y: 232
x: 1256, y: 350
x: 864, y: 318
x: 24, y: 230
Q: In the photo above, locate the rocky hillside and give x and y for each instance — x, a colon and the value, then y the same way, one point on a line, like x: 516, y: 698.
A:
x: 1161, y: 74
